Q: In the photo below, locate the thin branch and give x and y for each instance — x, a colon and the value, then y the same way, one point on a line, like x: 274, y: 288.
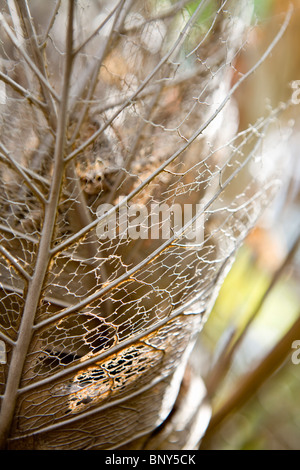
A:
x: 81, y: 208
x: 129, y: 101
x: 48, y: 298
x: 98, y: 29
x: 179, y: 152
x: 7, y: 339
x: 51, y: 23
x: 28, y: 60
x: 252, y: 381
x: 147, y: 181
x: 22, y: 173
x: 84, y: 218
x: 14, y: 262
x: 15, y: 20
x: 169, y: 13
x: 134, y: 147
x: 183, y: 309
x: 152, y: 256
x: 215, y: 19
x: 90, y: 78
x: 218, y: 373
x: 30, y: 32
x: 26, y: 17
x: 22, y: 91
x: 90, y: 412
x: 152, y: 89
x: 43, y: 257
x: 18, y: 234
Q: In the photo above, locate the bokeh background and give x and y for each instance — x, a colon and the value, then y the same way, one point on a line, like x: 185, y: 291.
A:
x: 246, y: 345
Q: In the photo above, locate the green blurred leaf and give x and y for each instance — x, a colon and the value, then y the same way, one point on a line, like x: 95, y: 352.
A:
x: 262, y: 8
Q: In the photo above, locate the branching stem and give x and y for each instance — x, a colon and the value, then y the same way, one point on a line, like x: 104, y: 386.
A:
x: 43, y: 257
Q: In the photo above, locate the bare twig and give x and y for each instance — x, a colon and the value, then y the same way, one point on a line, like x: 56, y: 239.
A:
x: 218, y: 373
x: 43, y: 257
x: 98, y: 29
x: 28, y: 60
x: 251, y: 382
x: 134, y: 147
x: 168, y: 13
x: 30, y: 33
x: 152, y: 74
x: 23, y: 91
x: 89, y: 79
x: 50, y: 25
x: 22, y: 173
x: 7, y: 339
x: 14, y: 262
x: 179, y: 152
x: 184, y: 308
x: 152, y: 256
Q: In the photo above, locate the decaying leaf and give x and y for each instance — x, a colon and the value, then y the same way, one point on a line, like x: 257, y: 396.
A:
x: 125, y: 103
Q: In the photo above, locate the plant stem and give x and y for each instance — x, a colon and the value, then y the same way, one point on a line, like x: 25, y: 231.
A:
x: 43, y: 258
x: 252, y: 381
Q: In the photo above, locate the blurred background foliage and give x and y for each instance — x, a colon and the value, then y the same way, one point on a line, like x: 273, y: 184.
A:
x: 246, y: 344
